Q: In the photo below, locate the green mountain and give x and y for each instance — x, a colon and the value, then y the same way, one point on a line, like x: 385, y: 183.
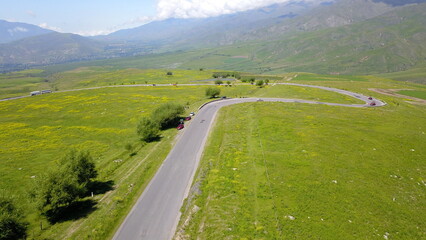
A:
x: 333, y: 37
x: 394, y: 41
x: 48, y: 49
x: 12, y: 31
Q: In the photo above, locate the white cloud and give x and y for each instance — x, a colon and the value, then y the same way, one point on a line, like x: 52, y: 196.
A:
x: 16, y: 30
x: 136, y: 22
x: 46, y: 26
x: 208, y: 8
x: 32, y: 14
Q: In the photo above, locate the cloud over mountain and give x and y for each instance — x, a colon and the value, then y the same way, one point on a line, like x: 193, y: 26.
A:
x: 209, y: 8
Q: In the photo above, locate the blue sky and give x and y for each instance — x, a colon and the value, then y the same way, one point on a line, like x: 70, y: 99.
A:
x: 86, y: 17
x: 95, y: 17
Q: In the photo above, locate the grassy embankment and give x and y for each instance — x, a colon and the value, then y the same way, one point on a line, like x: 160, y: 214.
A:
x: 296, y: 171
x: 37, y: 131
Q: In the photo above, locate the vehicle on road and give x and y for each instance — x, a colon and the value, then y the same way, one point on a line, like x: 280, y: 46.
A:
x: 188, y: 118
x: 370, y: 98
x: 33, y: 93
x: 372, y: 104
x: 46, y: 91
x: 192, y: 114
x: 180, y: 126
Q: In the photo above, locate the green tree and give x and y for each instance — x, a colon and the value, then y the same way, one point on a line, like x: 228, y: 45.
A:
x: 266, y: 81
x: 218, y: 82
x: 81, y: 165
x: 148, y: 130
x: 167, y: 113
x: 251, y: 80
x: 169, y: 73
x: 212, y: 92
x: 65, y: 184
x: 12, y: 225
x: 56, y: 190
x: 259, y: 83
x: 228, y: 82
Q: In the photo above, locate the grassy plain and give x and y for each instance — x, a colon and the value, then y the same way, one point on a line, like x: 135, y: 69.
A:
x: 413, y: 93
x: 23, y: 82
x: 294, y: 171
x: 341, y: 173
x: 37, y: 131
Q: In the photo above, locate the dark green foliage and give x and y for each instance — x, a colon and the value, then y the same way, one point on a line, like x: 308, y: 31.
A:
x: 266, y: 81
x: 169, y: 73
x: 218, y: 82
x: 148, y: 130
x: 56, y: 190
x: 64, y: 185
x: 251, y: 80
x: 259, y: 83
x: 129, y: 147
x: 228, y: 82
x: 80, y: 165
x: 167, y: 113
x: 226, y: 74
x: 12, y: 225
x: 212, y: 92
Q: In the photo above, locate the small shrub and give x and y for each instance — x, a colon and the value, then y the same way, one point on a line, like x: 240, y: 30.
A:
x: 169, y: 73
x: 12, y: 225
x: 218, y: 82
x: 167, y: 113
x: 148, y: 130
x: 212, y: 92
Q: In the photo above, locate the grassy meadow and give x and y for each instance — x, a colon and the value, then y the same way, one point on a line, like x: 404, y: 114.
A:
x: 301, y: 172
x: 294, y: 171
x: 23, y: 82
x: 37, y: 131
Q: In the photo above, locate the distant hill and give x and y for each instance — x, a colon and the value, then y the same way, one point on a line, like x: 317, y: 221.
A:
x: 201, y: 32
x: 400, y: 2
x: 328, y: 36
x: 265, y: 23
x: 12, y: 31
x: 51, y: 48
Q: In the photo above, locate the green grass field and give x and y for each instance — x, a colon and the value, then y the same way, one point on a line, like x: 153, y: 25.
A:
x: 23, y: 82
x: 417, y: 74
x: 413, y: 93
x: 37, y: 131
x: 288, y: 171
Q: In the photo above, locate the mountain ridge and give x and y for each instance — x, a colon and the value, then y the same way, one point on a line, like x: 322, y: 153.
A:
x: 13, y: 31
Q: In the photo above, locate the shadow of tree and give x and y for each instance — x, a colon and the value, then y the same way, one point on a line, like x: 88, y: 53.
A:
x: 172, y: 123
x: 99, y: 187
x: 73, y: 211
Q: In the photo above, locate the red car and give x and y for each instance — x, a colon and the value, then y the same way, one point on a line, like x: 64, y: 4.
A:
x: 180, y: 126
x: 188, y: 118
x: 372, y: 104
x: 370, y: 98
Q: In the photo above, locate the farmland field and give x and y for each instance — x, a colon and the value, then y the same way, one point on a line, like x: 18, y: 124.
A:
x: 36, y: 132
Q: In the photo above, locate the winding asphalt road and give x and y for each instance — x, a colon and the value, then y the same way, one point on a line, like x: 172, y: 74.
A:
x: 157, y: 212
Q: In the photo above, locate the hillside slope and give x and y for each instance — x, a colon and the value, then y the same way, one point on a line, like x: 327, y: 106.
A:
x: 48, y: 49
x: 12, y: 31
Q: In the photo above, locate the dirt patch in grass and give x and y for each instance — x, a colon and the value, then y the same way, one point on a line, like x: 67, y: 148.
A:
x: 393, y: 92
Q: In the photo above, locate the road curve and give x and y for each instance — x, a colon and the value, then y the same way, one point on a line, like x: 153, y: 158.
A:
x: 157, y: 212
